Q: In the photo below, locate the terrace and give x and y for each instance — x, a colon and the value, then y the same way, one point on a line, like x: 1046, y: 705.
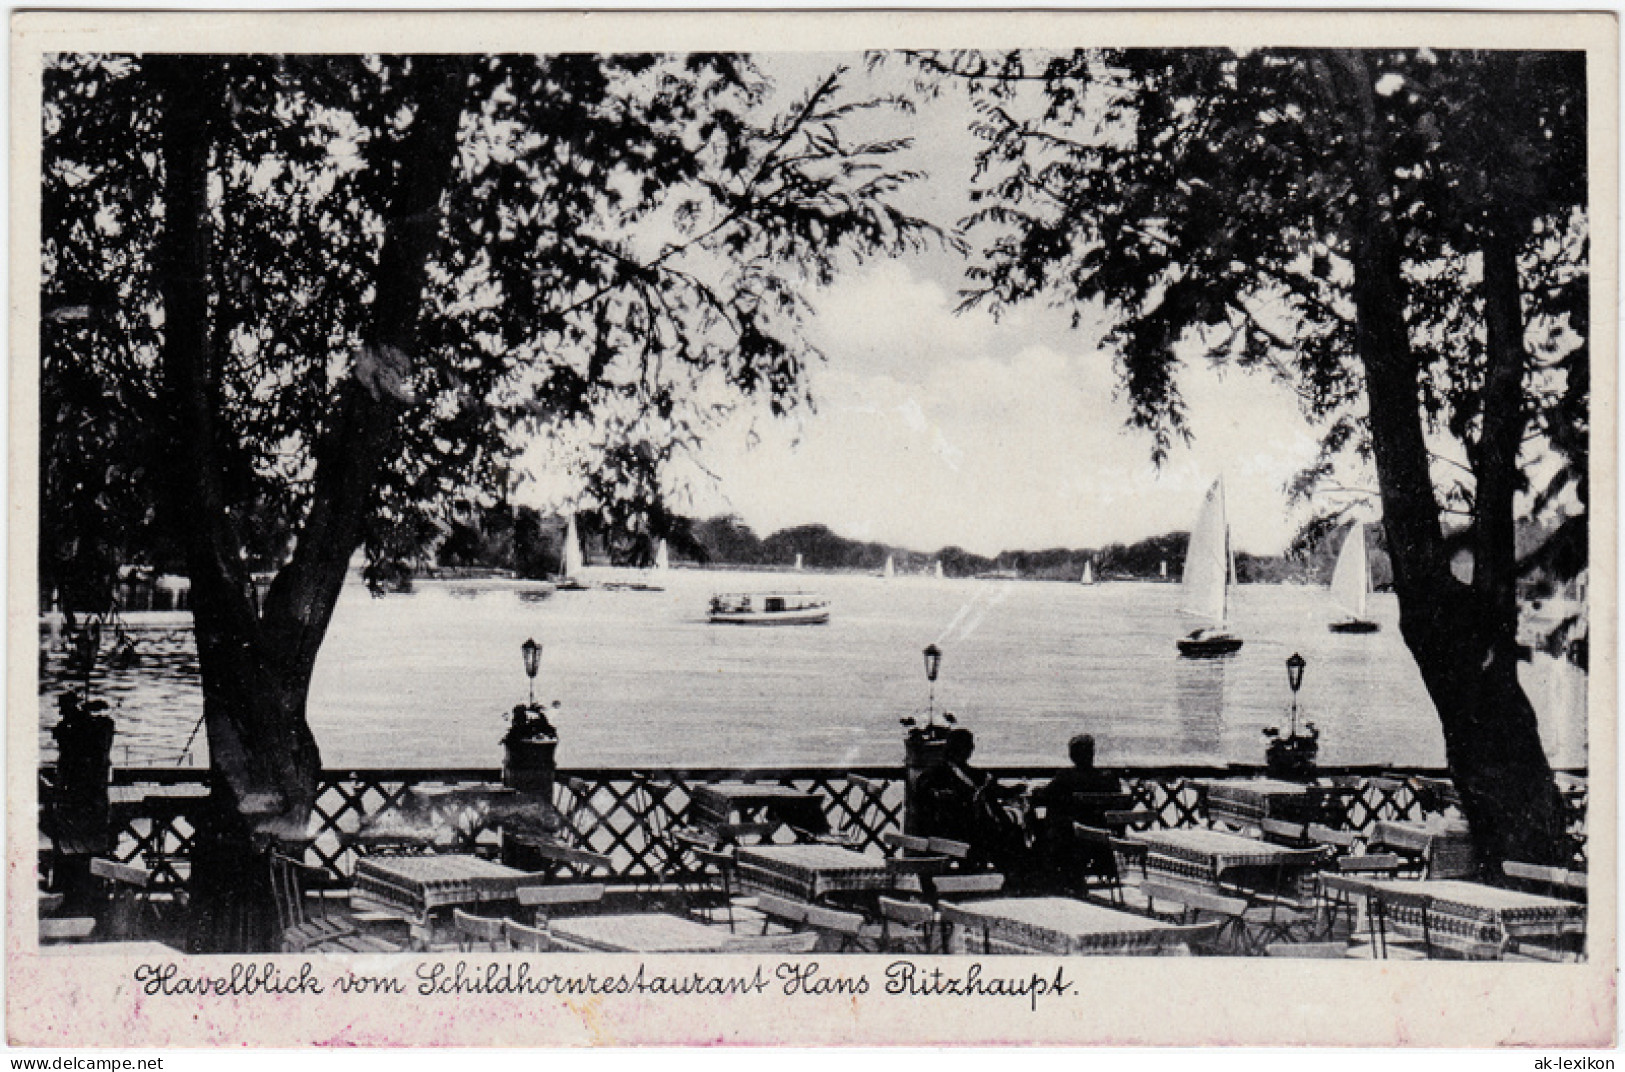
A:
x: 1364, y: 862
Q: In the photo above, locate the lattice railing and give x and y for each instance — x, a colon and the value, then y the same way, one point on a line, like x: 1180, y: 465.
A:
x: 627, y: 815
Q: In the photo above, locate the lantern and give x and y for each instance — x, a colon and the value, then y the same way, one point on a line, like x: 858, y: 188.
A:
x: 1294, y: 678
x: 532, y: 652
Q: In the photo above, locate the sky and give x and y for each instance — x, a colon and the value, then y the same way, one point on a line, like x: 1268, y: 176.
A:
x: 934, y: 428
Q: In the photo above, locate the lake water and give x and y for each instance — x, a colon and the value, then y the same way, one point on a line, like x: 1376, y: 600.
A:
x: 426, y: 679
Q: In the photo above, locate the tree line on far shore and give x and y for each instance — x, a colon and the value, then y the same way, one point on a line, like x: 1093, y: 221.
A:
x: 531, y: 544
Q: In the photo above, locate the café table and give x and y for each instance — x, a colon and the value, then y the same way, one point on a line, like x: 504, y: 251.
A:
x: 1243, y: 802
x: 1487, y: 915
x: 434, y: 817
x: 649, y: 932
x: 1211, y: 858
x: 418, y: 887
x: 1055, y: 925
x: 1445, y: 849
x: 722, y: 804
x: 807, y: 872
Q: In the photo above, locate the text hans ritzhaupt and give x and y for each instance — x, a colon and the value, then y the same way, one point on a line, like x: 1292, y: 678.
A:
x: 453, y: 978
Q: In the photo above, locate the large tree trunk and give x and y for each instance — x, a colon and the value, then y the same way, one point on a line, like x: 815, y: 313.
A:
x: 1462, y: 636
x: 256, y: 666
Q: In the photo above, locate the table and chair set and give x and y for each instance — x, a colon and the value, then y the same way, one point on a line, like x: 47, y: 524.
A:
x: 757, y: 868
x: 1283, y: 879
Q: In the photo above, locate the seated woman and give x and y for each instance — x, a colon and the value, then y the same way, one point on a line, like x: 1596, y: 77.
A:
x: 959, y: 802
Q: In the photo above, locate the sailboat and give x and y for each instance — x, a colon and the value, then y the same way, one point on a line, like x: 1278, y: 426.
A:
x: 1088, y: 573
x: 643, y: 580
x: 1351, y: 583
x: 939, y: 571
x: 1209, y: 572
x: 890, y: 571
x: 575, y: 562
x: 798, y: 561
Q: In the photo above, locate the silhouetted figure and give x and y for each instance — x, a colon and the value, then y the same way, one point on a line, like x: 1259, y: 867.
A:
x: 78, y: 817
x: 1082, y: 794
x: 958, y: 801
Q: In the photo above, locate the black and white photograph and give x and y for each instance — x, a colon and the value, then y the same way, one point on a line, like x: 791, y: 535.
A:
x: 1036, y: 511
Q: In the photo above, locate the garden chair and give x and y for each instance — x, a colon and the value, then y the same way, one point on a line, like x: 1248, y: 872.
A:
x: 908, y: 927
x: 963, y: 887
x: 1131, y: 872
x: 781, y: 911
x: 297, y: 930
x: 479, y: 934
x: 1094, y: 860
x: 1342, y: 841
x: 130, y: 912
x: 65, y: 929
x: 526, y: 939
x: 1376, y: 864
x: 794, y: 942
x: 543, y: 901
x: 1551, y: 881
x: 1282, y: 832
x: 721, y: 862
x: 1122, y: 821
x: 1191, y: 905
x: 1287, y: 909
x: 1401, y: 942
x: 900, y: 844
x: 846, y: 931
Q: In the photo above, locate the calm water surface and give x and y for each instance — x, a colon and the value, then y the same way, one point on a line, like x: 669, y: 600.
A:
x: 426, y: 679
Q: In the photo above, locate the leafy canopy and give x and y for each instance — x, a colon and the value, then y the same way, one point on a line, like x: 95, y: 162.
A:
x: 625, y: 247
x: 1206, y: 203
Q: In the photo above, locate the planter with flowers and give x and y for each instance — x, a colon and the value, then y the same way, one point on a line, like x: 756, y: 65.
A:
x: 924, y: 744
x: 1292, y: 757
x: 530, y: 747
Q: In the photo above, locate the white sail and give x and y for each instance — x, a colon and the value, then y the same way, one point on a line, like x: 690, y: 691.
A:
x: 1162, y: 569
x: 1351, y: 579
x: 891, y: 570
x: 1088, y: 573
x: 939, y: 571
x: 1207, y: 560
x: 662, y: 557
x: 574, y: 560
x: 798, y: 560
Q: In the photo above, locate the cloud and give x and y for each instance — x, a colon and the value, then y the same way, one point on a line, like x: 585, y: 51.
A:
x: 936, y: 428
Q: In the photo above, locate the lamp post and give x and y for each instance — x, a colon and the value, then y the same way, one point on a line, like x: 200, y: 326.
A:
x: 933, y: 660
x: 1294, y: 678
x: 532, y: 652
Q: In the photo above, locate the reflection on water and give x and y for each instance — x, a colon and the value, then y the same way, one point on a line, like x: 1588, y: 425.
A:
x: 154, y: 703
x: 426, y: 679
x: 1198, y: 708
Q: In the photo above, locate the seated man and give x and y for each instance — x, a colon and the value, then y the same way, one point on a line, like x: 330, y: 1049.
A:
x: 1080, y: 795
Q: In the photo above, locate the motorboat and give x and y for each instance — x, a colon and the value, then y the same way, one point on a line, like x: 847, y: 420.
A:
x: 768, y: 608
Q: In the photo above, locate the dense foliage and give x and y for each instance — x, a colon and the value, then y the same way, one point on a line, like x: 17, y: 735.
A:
x: 1401, y: 237
x: 296, y: 306
x: 621, y: 253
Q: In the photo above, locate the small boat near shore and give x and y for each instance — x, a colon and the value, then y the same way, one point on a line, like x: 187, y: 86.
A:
x: 768, y: 608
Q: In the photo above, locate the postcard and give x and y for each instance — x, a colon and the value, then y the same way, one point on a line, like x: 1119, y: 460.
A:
x: 812, y: 528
